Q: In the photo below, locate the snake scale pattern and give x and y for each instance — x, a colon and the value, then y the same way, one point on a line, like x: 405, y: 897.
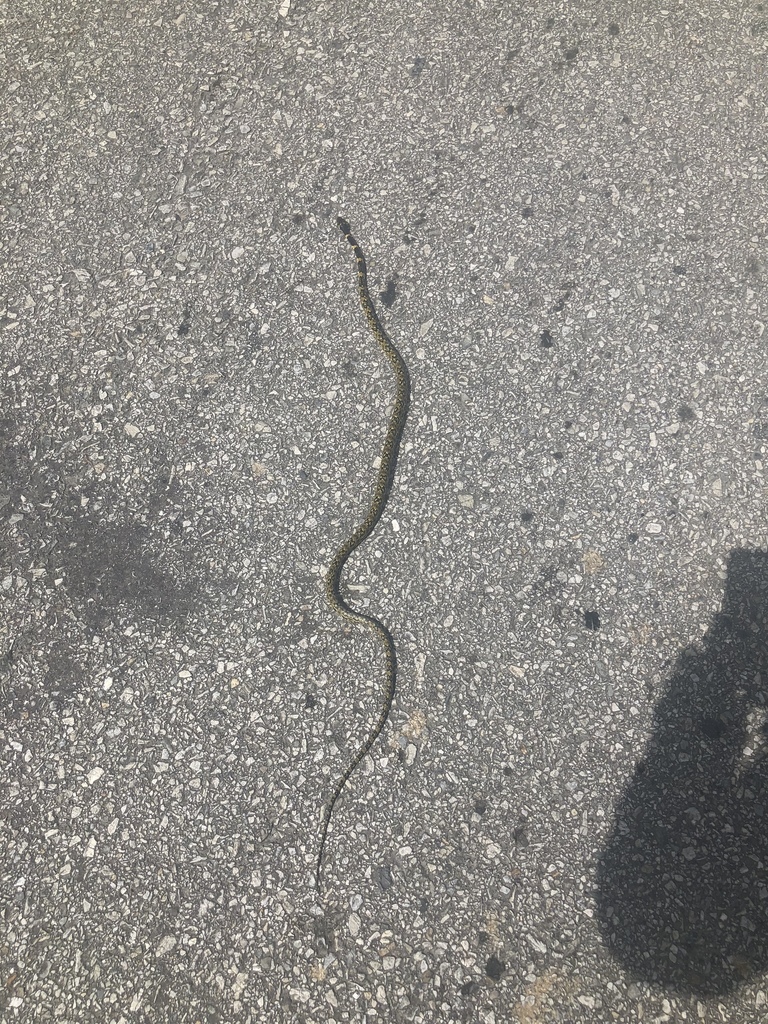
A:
x: 378, y: 502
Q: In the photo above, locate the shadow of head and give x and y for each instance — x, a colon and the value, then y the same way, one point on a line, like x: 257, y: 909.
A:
x: 682, y: 883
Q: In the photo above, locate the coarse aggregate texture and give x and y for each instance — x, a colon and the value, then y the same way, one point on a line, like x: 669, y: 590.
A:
x: 564, y: 212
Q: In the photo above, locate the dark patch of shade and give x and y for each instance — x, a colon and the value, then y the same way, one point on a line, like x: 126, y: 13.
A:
x: 521, y: 837
x: 679, y: 880
x: 388, y: 295
x: 713, y: 728
x: 495, y: 968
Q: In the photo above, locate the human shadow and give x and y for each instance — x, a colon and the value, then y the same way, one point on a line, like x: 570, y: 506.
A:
x: 682, y: 883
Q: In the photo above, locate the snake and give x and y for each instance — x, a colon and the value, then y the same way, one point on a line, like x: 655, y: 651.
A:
x: 381, y: 490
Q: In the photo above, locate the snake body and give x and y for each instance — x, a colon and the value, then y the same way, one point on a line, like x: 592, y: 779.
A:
x: 381, y: 491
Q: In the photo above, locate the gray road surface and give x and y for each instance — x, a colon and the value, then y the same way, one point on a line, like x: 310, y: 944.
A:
x: 564, y: 212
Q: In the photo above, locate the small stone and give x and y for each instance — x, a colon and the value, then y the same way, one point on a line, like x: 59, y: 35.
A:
x: 383, y: 875
x: 592, y: 561
x: 165, y: 945
x: 94, y: 775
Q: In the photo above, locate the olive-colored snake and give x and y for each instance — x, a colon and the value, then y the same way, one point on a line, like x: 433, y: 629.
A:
x: 380, y: 494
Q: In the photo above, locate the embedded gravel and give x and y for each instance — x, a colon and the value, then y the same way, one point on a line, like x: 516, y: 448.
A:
x: 564, y: 213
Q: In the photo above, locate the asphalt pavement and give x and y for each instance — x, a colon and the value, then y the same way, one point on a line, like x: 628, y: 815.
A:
x: 563, y: 209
